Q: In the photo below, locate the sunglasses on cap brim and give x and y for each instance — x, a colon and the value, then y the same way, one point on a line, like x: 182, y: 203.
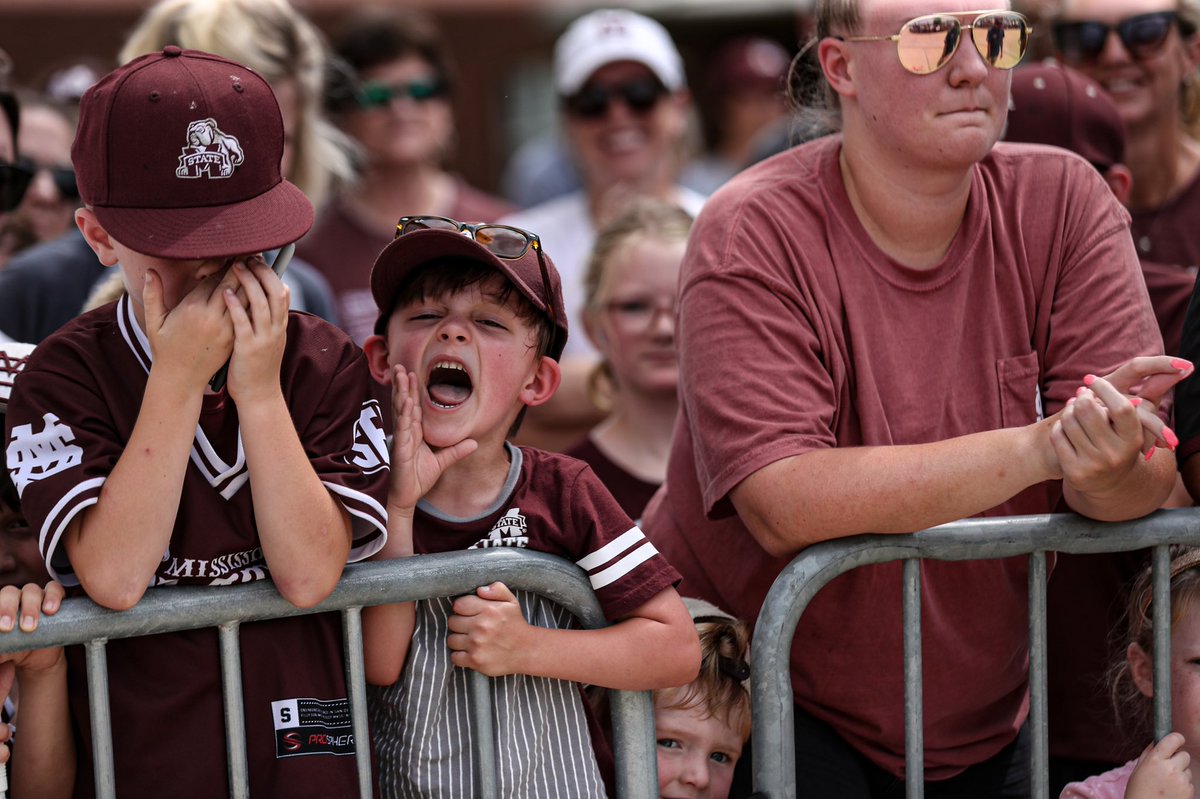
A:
x: 1142, y: 36
x: 592, y: 102
x: 378, y: 95
x: 926, y: 44
x: 14, y: 180
x: 503, y: 241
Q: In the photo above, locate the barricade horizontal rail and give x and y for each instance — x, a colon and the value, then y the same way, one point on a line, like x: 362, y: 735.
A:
x: 375, y: 583
x: 774, y: 765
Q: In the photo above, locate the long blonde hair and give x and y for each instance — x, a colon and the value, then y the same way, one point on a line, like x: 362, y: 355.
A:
x: 274, y: 40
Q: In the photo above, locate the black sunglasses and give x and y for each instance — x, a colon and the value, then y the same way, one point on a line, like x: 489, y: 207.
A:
x: 592, y: 102
x: 377, y: 95
x: 502, y: 241
x: 1142, y: 35
x: 14, y: 180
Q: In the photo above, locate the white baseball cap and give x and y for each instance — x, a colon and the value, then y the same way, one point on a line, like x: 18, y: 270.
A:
x: 610, y: 35
x: 12, y: 361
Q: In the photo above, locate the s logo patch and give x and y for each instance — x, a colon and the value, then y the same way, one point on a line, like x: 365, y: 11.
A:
x: 370, y: 444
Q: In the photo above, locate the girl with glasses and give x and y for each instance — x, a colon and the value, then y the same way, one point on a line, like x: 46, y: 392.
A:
x: 629, y: 315
x: 1146, y: 53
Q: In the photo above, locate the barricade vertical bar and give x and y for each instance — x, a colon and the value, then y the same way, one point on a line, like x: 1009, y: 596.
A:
x: 1038, y: 729
x: 235, y: 717
x: 102, y: 751
x: 1161, y: 608
x: 634, y: 742
x: 914, y: 732
x: 356, y: 682
x: 486, y: 783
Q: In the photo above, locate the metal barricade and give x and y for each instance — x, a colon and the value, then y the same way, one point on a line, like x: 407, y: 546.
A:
x: 975, y: 539
x: 451, y: 574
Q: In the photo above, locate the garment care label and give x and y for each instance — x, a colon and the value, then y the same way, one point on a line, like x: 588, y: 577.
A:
x: 312, y: 727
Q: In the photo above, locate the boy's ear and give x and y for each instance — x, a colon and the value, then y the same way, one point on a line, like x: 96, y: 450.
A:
x: 375, y: 348
x: 96, y: 236
x: 1141, y: 669
x: 542, y: 383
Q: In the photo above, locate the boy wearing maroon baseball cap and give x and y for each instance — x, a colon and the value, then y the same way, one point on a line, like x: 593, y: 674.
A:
x: 471, y: 324
x: 137, y: 473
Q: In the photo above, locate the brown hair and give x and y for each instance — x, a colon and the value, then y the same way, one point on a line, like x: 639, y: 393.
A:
x: 645, y: 218
x: 1134, y: 711
x: 722, y: 688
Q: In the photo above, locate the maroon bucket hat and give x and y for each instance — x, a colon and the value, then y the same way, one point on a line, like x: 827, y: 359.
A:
x: 178, y: 155
x: 409, y: 252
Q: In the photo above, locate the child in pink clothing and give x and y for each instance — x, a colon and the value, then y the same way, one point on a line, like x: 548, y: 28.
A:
x: 1165, y: 768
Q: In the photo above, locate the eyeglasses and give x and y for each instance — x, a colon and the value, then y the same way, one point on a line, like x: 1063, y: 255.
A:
x: 1142, y: 36
x: 636, y: 315
x: 378, y: 95
x: 14, y: 180
x: 592, y: 102
x: 926, y: 44
x: 502, y: 241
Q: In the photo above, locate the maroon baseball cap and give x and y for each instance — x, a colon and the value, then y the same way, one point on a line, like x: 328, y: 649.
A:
x: 178, y: 154
x: 1054, y: 104
x: 403, y: 256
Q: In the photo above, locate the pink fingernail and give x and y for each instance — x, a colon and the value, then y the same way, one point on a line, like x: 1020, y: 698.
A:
x: 1079, y: 391
x: 1089, y: 379
x: 1135, y: 401
x: 1181, y: 364
x: 1170, y: 437
x: 1150, y: 453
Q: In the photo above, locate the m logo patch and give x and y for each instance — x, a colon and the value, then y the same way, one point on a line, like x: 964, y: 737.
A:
x: 209, y: 152
x: 36, y: 456
x: 510, y: 530
x: 370, y: 444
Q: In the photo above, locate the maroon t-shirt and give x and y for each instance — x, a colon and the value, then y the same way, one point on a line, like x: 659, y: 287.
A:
x: 631, y: 491
x: 798, y: 333
x: 71, y: 413
x: 344, y: 250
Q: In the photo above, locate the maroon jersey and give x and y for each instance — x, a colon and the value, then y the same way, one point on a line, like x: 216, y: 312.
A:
x: 550, y: 503
x: 72, y: 411
x: 631, y: 491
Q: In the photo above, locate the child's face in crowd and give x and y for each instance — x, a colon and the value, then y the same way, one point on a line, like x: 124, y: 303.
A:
x: 696, y: 755
x: 20, y: 561
x: 633, y: 322
x: 474, y: 357
x: 1185, y: 677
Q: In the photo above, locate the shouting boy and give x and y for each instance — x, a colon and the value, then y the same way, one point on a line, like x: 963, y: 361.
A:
x: 470, y: 327
x: 135, y: 472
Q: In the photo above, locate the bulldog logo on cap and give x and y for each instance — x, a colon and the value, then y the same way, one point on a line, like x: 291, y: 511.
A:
x: 209, y: 151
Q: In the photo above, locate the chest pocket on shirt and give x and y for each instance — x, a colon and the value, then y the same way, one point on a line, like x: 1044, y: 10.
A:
x: 1020, y: 395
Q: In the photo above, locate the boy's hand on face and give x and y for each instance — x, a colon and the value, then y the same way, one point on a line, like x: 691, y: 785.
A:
x: 259, y: 330
x: 488, y: 632
x: 415, y: 466
x: 195, y: 337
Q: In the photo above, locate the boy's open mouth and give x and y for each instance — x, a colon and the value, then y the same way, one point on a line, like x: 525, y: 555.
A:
x: 448, y: 385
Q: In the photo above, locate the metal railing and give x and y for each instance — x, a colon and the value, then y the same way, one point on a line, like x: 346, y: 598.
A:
x: 182, y: 608
x: 774, y: 764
